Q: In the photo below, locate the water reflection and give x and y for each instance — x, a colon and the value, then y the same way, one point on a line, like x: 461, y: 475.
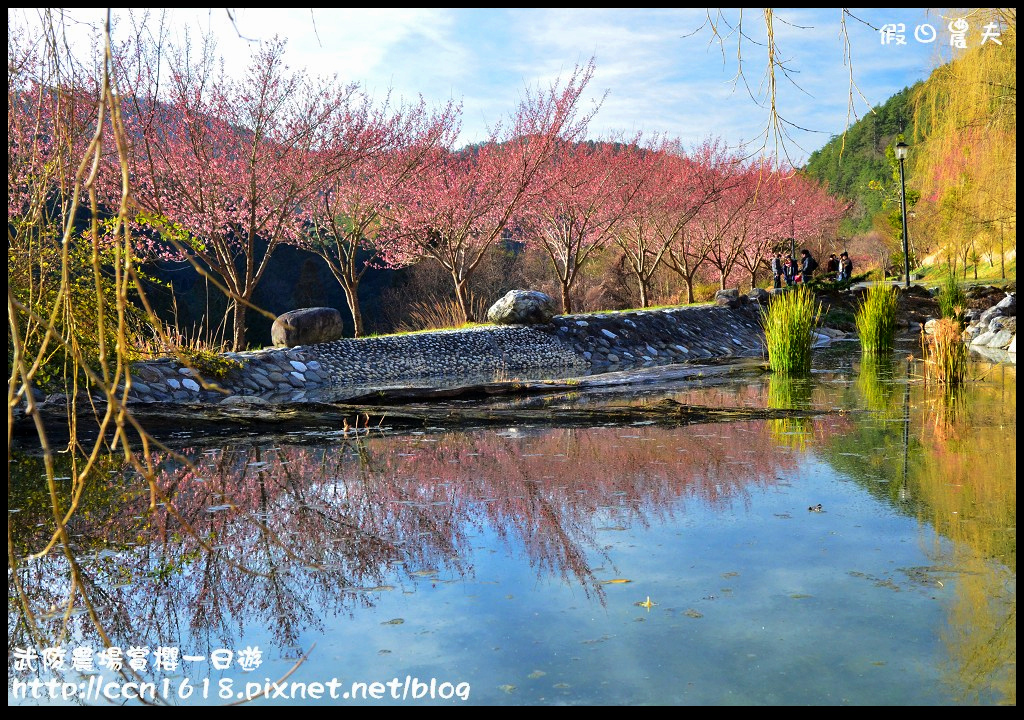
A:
x: 301, y: 544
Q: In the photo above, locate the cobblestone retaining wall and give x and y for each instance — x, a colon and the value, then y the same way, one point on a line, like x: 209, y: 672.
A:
x: 571, y: 345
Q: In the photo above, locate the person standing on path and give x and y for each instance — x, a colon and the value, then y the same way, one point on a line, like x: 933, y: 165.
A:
x: 807, y: 266
x: 777, y: 274
x: 845, y: 268
x: 832, y: 267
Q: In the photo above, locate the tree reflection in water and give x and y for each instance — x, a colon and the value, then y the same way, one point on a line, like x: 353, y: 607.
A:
x: 302, y: 534
x: 296, y: 530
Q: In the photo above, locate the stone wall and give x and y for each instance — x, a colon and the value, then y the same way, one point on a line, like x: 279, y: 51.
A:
x: 569, y: 346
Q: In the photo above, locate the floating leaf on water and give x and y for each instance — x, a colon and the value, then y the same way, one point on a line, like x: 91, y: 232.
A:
x: 731, y: 574
x: 393, y: 621
x: 616, y: 581
x: 693, y: 613
x: 424, y: 573
x: 536, y: 674
x: 383, y: 652
x: 800, y: 596
x: 507, y: 688
x: 561, y: 686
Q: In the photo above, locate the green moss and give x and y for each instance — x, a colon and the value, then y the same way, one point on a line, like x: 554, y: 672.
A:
x: 209, y: 364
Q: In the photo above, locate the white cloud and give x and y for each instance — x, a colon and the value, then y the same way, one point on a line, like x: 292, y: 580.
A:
x: 662, y: 70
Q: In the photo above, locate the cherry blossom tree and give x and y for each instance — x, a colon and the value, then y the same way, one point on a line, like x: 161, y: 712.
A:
x: 813, y: 215
x: 676, y: 187
x: 459, y: 208
x: 721, y: 226
x: 222, y: 168
x: 349, y: 208
x: 761, y: 225
x: 589, y: 188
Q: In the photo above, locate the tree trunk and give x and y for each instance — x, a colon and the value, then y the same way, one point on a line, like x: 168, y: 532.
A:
x: 238, y: 339
x: 566, y: 299
x: 644, y: 299
x: 689, y: 290
x: 462, y: 297
x: 352, y: 298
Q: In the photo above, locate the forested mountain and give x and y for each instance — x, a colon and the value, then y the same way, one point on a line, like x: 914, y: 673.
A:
x: 848, y: 163
x: 961, y: 125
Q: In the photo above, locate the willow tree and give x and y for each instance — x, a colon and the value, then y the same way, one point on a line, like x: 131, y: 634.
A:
x: 966, y: 120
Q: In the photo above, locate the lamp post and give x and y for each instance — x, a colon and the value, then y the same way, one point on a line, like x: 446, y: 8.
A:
x: 901, y: 154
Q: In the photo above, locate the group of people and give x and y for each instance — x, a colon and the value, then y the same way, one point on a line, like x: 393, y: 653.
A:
x: 786, y: 271
x: 842, y: 267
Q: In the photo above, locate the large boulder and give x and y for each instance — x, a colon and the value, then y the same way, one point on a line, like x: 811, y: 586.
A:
x: 522, y: 307
x: 759, y: 295
x: 306, y: 327
x: 730, y: 298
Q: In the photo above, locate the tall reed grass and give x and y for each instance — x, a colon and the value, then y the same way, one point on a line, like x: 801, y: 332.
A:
x: 876, y: 319
x: 789, y: 323
x: 441, y: 314
x: 945, y: 354
x: 876, y: 382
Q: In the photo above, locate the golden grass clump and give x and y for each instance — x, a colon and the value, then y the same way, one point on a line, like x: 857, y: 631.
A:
x: 945, y: 354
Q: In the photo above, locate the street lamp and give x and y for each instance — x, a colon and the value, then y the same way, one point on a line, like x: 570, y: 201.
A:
x: 901, y: 154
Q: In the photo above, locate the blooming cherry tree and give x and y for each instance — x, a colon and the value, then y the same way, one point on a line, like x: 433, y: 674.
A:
x: 348, y: 209
x: 222, y: 169
x: 456, y: 210
x: 589, y: 188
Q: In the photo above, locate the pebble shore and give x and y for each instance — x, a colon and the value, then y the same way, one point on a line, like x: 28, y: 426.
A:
x: 568, y: 346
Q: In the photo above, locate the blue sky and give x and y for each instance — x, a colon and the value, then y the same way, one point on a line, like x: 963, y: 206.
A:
x: 661, y: 67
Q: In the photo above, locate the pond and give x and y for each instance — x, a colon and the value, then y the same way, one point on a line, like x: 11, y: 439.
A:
x: 861, y: 555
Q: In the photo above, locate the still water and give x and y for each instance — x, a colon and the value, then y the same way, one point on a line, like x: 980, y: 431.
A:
x: 632, y: 564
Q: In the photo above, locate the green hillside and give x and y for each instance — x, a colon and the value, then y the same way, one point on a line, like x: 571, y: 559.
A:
x: 849, y: 163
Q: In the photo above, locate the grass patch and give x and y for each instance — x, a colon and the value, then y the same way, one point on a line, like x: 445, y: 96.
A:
x: 952, y: 300
x: 988, y: 273
x: 876, y: 319
x: 442, y: 315
x: 789, y: 323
